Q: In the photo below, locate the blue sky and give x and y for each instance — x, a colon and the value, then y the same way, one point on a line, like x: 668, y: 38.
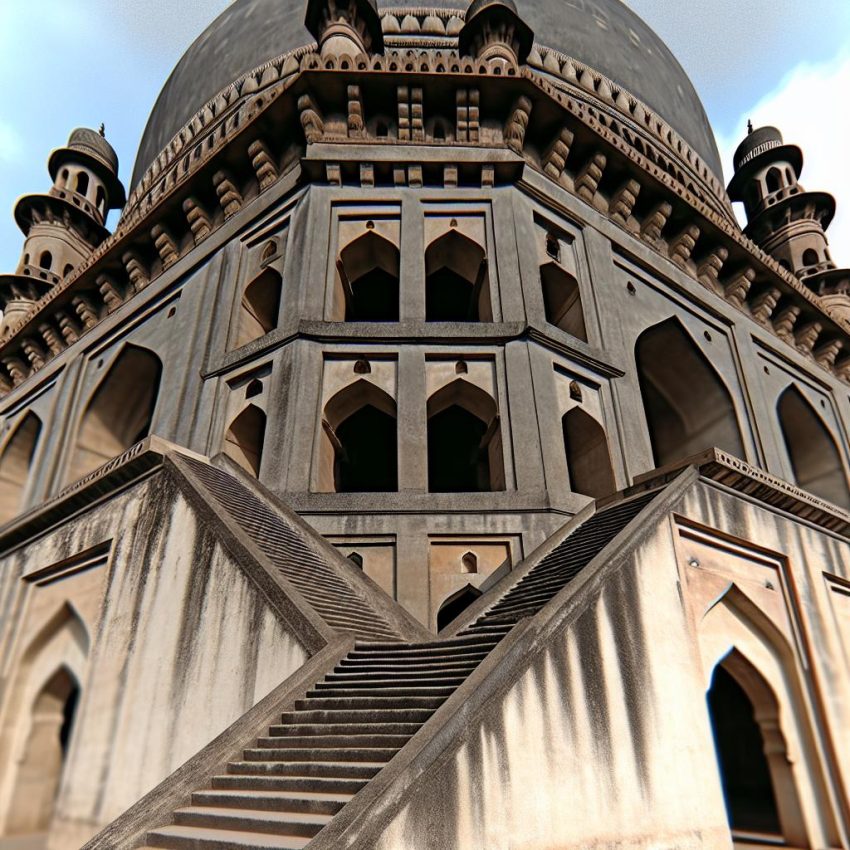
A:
x: 69, y: 63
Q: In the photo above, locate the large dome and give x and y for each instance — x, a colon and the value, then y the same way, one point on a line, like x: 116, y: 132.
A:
x: 604, y: 34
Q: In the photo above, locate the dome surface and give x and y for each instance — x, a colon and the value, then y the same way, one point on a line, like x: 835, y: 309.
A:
x: 604, y: 34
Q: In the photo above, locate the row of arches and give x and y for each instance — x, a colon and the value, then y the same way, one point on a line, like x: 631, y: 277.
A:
x: 359, y: 447
x: 689, y: 409
x: 457, y: 287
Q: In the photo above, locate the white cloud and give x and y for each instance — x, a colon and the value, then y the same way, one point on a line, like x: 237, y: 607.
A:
x: 809, y: 108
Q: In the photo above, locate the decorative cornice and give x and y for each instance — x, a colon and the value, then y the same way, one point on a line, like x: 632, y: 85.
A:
x: 250, y: 137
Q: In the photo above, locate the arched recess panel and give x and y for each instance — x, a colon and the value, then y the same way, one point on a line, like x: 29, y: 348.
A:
x: 359, y: 451
x: 814, y: 456
x: 687, y: 406
x: 457, y: 285
x: 588, y: 459
x: 258, y: 313
x: 120, y: 411
x: 752, y: 755
x: 245, y: 438
x: 368, y: 280
x: 464, y: 441
x: 455, y: 605
x: 562, y: 300
x: 39, y: 772
x: 15, y: 464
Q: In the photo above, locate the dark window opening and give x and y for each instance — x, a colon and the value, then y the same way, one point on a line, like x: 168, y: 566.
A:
x: 455, y: 605
x: 457, y: 287
x: 357, y: 559
x: 260, y: 307
x: 562, y: 301
x: 457, y: 461
x: 46, y: 260
x: 687, y: 406
x: 367, y: 455
x: 814, y: 455
x: 810, y: 257
x: 368, y: 280
x: 774, y: 180
x: 82, y: 185
x: 588, y: 460
x: 744, y: 770
x: 374, y: 297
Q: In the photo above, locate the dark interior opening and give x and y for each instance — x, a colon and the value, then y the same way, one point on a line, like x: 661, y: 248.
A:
x: 456, y: 605
x: 374, y: 297
x: 367, y: 460
x: 457, y: 462
x: 449, y: 297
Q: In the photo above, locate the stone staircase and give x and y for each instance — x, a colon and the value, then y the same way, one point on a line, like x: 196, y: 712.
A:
x: 349, y: 725
x: 323, y: 588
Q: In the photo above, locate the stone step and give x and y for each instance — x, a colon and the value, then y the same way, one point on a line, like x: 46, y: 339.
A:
x: 292, y: 784
x: 319, y: 754
x: 311, y: 802
x: 322, y: 741
x: 376, y: 681
x: 373, y: 703
x: 358, y: 716
x: 295, y: 730
x: 190, y: 838
x: 302, y: 824
x: 402, y: 665
x: 315, y: 768
x: 391, y: 690
x: 373, y: 647
x: 426, y: 674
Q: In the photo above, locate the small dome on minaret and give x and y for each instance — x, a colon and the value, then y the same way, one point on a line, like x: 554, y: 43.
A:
x: 64, y: 226
x: 783, y: 219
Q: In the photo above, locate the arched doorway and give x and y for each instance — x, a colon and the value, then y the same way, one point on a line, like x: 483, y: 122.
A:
x: 15, y: 463
x: 359, y: 450
x: 814, y: 456
x: 455, y: 605
x: 368, y: 280
x: 464, y: 441
x: 258, y: 314
x: 457, y: 288
x: 588, y: 460
x: 759, y: 789
x: 245, y: 437
x: 687, y: 406
x: 40, y: 771
x: 120, y: 411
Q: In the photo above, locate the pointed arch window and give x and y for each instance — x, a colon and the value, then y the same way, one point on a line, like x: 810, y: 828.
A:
x: 464, y: 441
x: 82, y: 184
x: 359, y: 452
x: 368, y: 280
x: 687, y: 406
x: 15, y: 465
x: 245, y: 438
x: 120, y: 411
x: 813, y: 453
x: 588, y: 459
x: 457, y: 286
x: 455, y: 605
x: 562, y: 300
x: 260, y: 307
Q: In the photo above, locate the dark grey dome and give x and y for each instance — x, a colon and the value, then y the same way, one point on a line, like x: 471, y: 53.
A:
x: 604, y: 34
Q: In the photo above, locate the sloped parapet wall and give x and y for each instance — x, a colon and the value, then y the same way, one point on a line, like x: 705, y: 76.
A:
x: 168, y: 637
x: 589, y: 728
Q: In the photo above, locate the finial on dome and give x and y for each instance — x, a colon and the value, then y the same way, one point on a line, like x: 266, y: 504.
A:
x: 102, y: 129
x: 494, y: 30
x: 749, y: 127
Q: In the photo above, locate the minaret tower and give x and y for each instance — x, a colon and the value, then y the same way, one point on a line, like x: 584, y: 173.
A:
x: 64, y: 226
x: 784, y: 220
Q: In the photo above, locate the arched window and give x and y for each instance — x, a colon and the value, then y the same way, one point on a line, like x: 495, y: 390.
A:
x: 40, y: 771
x: 810, y: 257
x: 687, y: 406
x: 46, y: 260
x: 82, y: 185
x: 455, y: 605
x: 774, y: 180
x: 357, y: 559
x: 100, y: 198
x: 457, y: 287
x: 260, y: 307
x: 64, y: 176
x: 120, y: 411
x: 367, y: 280
x: 15, y: 462
x: 813, y: 453
x: 67, y: 270
x: 464, y: 441
x: 562, y: 300
x: 359, y: 446
x: 752, y: 756
x: 469, y: 563
x: 588, y: 460
x: 244, y: 439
